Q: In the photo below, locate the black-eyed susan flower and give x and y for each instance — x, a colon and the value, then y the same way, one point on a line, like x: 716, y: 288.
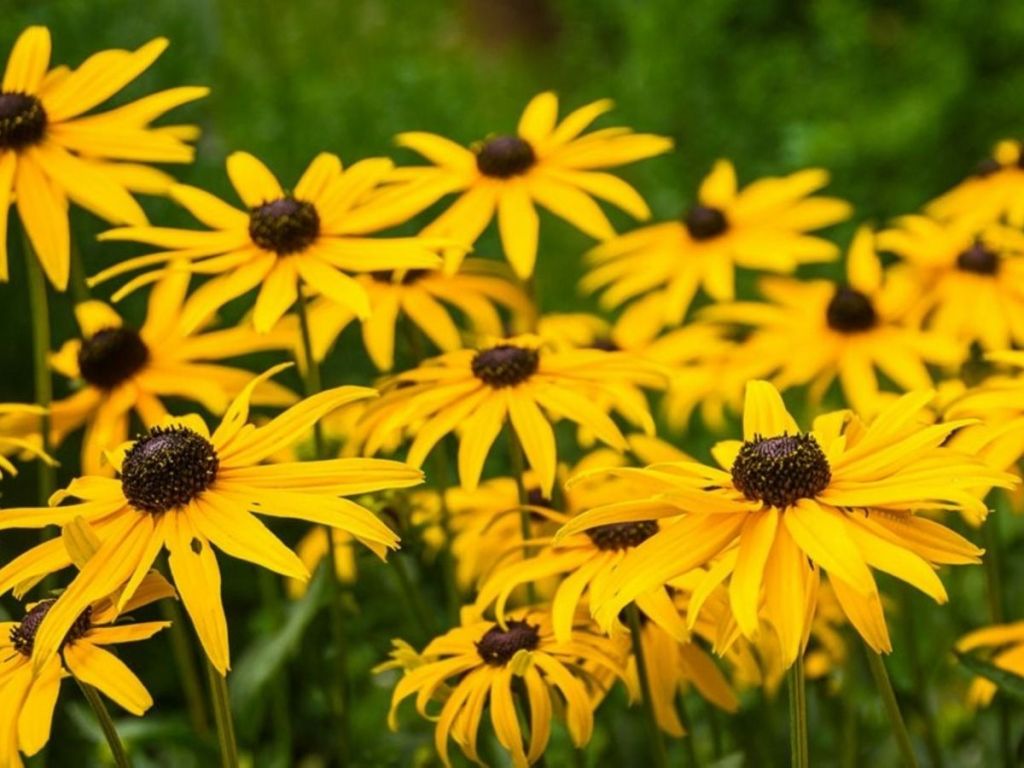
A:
x: 1005, y: 643
x: 181, y: 488
x: 52, y: 152
x: 481, y: 665
x: 546, y: 162
x: 516, y: 381
x: 993, y: 191
x: 970, y: 279
x: 314, y: 236
x: 763, y: 226
x: 812, y: 332
x: 786, y: 504
x: 14, y: 441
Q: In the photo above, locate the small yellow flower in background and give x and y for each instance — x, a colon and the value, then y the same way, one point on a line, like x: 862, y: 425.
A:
x: 994, y: 190
x: 514, y: 381
x: 51, y: 153
x: 762, y: 226
x: 971, y: 279
x: 480, y: 665
x: 811, y: 332
x: 15, y: 441
x: 313, y: 236
x: 188, y: 491
x: 546, y: 162
x: 313, y: 548
x: 787, y: 504
x: 1006, y: 642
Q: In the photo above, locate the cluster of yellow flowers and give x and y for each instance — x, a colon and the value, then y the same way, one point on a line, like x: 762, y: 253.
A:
x: 639, y: 564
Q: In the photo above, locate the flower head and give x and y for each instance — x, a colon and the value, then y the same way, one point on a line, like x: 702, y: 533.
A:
x: 993, y: 191
x: 16, y: 441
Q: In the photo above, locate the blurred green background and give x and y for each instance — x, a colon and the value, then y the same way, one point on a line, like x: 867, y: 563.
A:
x: 898, y: 99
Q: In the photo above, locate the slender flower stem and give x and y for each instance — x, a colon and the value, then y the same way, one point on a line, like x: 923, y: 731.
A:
x: 892, y: 708
x: 106, y: 724
x: 799, y: 752
x: 416, y: 606
x: 921, y: 682
x: 691, y: 738
x: 43, y: 381
x: 993, y: 560
x: 222, y: 715
x: 270, y: 595
x: 518, y: 461
x: 659, y: 758
x: 77, y: 284
x: 188, y: 671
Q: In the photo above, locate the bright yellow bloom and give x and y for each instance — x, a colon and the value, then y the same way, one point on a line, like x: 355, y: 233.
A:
x: 51, y: 153
x: 994, y: 190
x: 17, y: 441
x: 546, y: 163
x: 475, y: 666
x: 182, y: 488
x: 788, y: 504
x: 311, y: 237
x: 762, y: 226
x: 1006, y: 641
x: 812, y: 331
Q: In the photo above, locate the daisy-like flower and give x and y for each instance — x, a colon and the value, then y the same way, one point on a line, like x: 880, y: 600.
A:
x: 546, y: 162
x: 15, y: 442
x: 813, y: 331
x: 312, y: 237
x: 118, y: 370
x: 995, y: 190
x: 763, y: 226
x: 971, y: 278
x: 1006, y: 644
x: 514, y: 380
x: 52, y: 152
x: 183, y: 489
x: 787, y: 504
x: 480, y: 664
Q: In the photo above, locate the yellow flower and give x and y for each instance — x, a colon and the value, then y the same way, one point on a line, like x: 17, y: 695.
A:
x: 51, y: 153
x: 546, y: 162
x: 479, y: 665
x: 813, y: 331
x: 972, y: 280
x: 994, y: 190
x: 312, y: 549
x: 15, y: 440
x: 312, y: 236
x: 182, y: 488
x: 513, y: 380
x: 787, y: 504
x: 762, y: 226
x: 1007, y: 643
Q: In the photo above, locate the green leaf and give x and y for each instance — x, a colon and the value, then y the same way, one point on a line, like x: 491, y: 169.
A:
x: 1008, y: 682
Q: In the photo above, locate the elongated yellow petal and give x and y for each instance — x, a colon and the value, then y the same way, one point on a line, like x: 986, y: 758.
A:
x: 252, y: 180
x: 103, y: 670
x: 28, y: 61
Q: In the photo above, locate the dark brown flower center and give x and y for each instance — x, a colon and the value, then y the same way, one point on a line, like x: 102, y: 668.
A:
x: 22, y: 120
x: 504, y: 157
x: 23, y: 636
x: 112, y: 356
x: 168, y: 468
x: 979, y: 260
x: 498, y: 646
x: 505, y: 365
x: 704, y: 222
x: 622, y: 535
x: 780, y: 470
x: 850, y: 311
x: 284, y: 226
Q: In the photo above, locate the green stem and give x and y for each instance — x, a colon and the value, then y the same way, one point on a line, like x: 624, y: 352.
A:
x: 412, y: 597
x: 279, y: 705
x: 659, y: 759
x: 43, y: 381
x: 921, y: 682
x: 222, y: 715
x: 77, y: 283
x: 106, y: 724
x: 518, y: 461
x: 185, y: 661
x: 799, y: 752
x: 892, y: 708
x: 690, y: 737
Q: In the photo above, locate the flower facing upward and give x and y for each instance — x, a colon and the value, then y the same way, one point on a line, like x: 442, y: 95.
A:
x: 50, y: 152
x: 182, y: 488
x: 546, y: 162
x: 484, y: 662
x: 477, y: 391
x: 994, y: 190
x: 842, y: 498
x: 813, y: 331
x: 762, y: 226
x: 312, y: 236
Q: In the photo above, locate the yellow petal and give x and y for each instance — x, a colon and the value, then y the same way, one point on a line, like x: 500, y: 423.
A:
x: 252, y: 180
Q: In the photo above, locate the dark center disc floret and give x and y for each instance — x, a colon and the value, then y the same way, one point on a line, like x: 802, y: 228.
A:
x: 498, y: 646
x: 112, y: 356
x: 505, y: 365
x: 168, y: 468
x: 23, y: 636
x: 284, y: 226
x: 850, y: 311
x: 22, y: 120
x: 622, y: 535
x: 704, y: 222
x: 979, y: 260
x: 504, y: 157
x: 780, y: 470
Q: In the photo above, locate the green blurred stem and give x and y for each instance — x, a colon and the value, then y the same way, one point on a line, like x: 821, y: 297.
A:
x: 518, y: 461
x: 222, y: 715
x: 892, y: 707
x: 921, y: 683
x: 77, y: 283
x: 185, y: 661
x: 106, y: 724
x: 279, y: 706
x: 412, y: 596
x: 659, y: 758
x: 799, y: 753
x: 992, y: 535
x: 690, y: 737
x: 43, y: 382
